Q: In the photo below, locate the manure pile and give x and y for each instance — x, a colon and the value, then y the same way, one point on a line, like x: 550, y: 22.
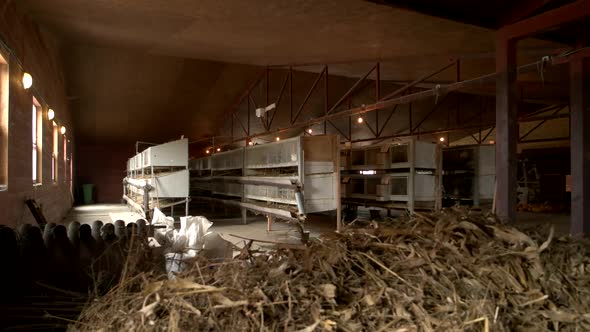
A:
x: 451, y: 271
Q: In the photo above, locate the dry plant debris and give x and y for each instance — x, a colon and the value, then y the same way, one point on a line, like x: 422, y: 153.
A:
x: 452, y: 271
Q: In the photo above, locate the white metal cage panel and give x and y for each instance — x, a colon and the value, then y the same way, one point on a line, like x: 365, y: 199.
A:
x: 233, y: 159
x: 270, y: 194
x: 320, y: 193
x: 486, y: 186
x: 400, y: 155
x: 367, y: 158
x: 487, y: 160
x: 424, y: 154
x: 227, y: 188
x: 194, y: 164
x: 169, y: 154
x: 424, y: 187
x: 280, y: 154
x: 170, y: 185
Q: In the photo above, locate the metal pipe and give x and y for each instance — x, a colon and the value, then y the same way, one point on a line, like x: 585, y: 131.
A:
x: 300, y: 202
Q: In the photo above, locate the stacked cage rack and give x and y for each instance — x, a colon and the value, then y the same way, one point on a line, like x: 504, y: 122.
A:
x: 284, y: 179
x: 403, y: 174
x: 158, y: 177
x: 469, y: 174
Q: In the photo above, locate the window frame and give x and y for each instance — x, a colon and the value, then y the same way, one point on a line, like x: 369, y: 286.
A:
x: 4, y: 118
x: 37, y: 142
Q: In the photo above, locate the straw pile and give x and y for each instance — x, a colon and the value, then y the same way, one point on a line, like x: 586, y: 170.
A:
x: 447, y: 272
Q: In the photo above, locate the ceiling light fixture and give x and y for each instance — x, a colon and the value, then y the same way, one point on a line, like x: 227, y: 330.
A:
x: 62, y: 130
x: 50, y: 114
x: 442, y: 139
x: 27, y: 80
x: 359, y: 120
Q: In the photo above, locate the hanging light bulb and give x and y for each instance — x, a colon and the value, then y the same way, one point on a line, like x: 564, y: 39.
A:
x: 250, y: 143
x: 218, y: 149
x: 442, y: 139
x: 359, y: 120
x: 207, y: 152
x: 278, y: 138
x: 27, y: 80
x: 62, y: 130
x: 310, y: 131
x: 50, y: 114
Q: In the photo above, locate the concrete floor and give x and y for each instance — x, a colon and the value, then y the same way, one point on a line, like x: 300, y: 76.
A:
x: 232, y: 229
x: 256, y: 228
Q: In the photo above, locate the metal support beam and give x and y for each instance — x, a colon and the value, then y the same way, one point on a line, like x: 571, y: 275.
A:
x: 418, y: 81
x: 580, y: 144
x: 554, y: 115
x: 351, y: 90
x: 435, y: 92
x: 436, y: 106
x: 338, y: 129
x: 315, y: 83
x: 556, y: 17
x: 488, y: 134
x: 506, y: 130
x: 387, y: 120
x: 279, y: 98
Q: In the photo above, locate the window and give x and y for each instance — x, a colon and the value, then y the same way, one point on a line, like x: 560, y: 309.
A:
x: 3, y: 123
x: 71, y: 168
x: 65, y: 158
x: 37, y: 133
x: 55, y: 153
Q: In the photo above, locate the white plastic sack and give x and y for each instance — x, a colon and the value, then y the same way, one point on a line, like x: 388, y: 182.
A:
x: 160, y: 218
x: 194, y: 229
x: 183, y: 245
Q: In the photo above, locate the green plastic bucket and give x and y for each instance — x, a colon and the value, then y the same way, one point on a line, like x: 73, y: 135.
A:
x: 87, y: 193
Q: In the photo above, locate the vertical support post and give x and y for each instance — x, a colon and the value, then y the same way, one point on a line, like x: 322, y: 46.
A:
x: 410, y: 115
x: 458, y: 79
x: 476, y: 176
x: 146, y: 202
x: 243, y: 198
x: 411, y: 177
x: 580, y: 144
x: 506, y: 129
x: 337, y: 180
x: 326, y: 98
x: 248, y: 115
x: 266, y: 118
x: 377, y: 96
x: 244, y: 215
x: 291, y: 94
x: 269, y: 221
x: 438, y: 179
x: 350, y: 122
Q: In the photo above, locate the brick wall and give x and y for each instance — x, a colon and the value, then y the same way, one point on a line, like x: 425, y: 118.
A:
x: 29, y: 47
x: 103, y: 165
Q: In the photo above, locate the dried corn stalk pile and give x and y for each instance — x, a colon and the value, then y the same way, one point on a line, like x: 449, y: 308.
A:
x: 446, y: 272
